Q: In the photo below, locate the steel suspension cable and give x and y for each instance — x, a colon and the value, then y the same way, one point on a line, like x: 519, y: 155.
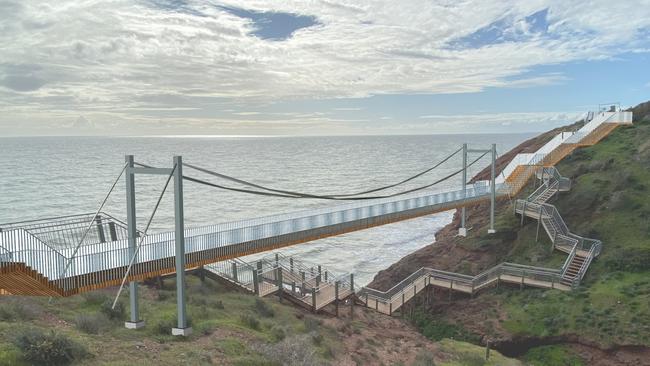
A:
x: 300, y: 195
x: 242, y: 190
x: 144, y: 235
x: 241, y: 181
x: 92, y: 221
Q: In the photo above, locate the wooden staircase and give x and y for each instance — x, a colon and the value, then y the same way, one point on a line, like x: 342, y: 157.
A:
x: 573, y: 270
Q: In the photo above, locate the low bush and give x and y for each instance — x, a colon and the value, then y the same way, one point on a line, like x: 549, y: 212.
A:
x: 119, y: 313
x: 438, y: 329
x: 12, y: 310
x: 263, y: 308
x: 94, y: 298
x: 91, y: 323
x: 291, y: 351
x: 278, y: 333
x: 629, y: 260
x: 40, y: 348
x: 423, y: 358
x: 250, y: 321
x: 312, y: 324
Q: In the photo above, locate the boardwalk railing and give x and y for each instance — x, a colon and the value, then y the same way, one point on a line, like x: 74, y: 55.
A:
x: 392, y: 299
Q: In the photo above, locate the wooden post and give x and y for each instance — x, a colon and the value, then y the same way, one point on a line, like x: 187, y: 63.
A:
x: 313, y: 299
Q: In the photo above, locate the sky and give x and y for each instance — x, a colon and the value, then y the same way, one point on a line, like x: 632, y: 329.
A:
x: 319, y: 67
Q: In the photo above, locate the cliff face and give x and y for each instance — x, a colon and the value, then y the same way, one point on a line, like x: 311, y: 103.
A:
x: 445, y: 254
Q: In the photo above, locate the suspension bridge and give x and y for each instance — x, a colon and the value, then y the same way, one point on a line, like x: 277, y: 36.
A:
x: 68, y: 255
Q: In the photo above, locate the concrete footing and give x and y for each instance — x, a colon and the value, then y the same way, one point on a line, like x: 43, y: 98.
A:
x: 182, y: 331
x: 462, y: 232
x: 134, y: 325
x: 491, y: 231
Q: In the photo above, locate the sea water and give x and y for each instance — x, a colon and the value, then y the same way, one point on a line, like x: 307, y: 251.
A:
x: 54, y: 176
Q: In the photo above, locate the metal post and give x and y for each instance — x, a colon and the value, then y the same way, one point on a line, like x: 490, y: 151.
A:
x: 462, y: 231
x: 134, y: 322
x: 291, y: 264
x: 183, y: 329
x: 256, y: 283
x: 336, y: 297
x: 280, y: 285
x: 112, y: 231
x: 352, y: 297
x: 493, y: 195
x: 234, y: 271
x: 539, y: 221
x: 100, y: 229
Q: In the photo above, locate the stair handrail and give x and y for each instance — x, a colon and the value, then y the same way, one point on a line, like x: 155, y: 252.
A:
x: 585, y: 264
x: 568, y: 260
x: 471, y: 281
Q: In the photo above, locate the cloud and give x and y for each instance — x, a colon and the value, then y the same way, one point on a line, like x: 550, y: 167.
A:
x: 195, y: 59
x: 22, y: 83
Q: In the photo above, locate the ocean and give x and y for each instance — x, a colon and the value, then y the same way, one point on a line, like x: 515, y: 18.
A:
x: 55, y: 176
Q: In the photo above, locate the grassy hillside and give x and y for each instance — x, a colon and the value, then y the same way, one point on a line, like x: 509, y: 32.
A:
x: 610, y: 201
x: 230, y: 328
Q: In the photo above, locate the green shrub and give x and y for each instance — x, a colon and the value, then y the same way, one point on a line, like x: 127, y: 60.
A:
x: 12, y: 310
x: 51, y: 348
x: 118, y: 313
x: 94, y: 298
x: 290, y: 351
x: 312, y: 324
x: 317, y: 338
x: 91, y: 323
x: 250, y: 321
x: 423, y: 358
x: 10, y: 356
x: 263, y: 308
x: 437, y: 329
x: 278, y: 333
x: 552, y: 356
x: 629, y: 260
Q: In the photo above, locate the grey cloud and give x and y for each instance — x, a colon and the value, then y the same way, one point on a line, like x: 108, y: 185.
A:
x: 22, y: 83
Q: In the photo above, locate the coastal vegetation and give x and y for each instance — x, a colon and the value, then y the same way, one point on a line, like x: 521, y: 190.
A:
x: 609, y: 200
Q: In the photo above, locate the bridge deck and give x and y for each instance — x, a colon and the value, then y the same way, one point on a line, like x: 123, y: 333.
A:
x: 104, y: 264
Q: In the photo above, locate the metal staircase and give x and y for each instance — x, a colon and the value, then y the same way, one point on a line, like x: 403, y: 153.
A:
x: 581, y: 250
